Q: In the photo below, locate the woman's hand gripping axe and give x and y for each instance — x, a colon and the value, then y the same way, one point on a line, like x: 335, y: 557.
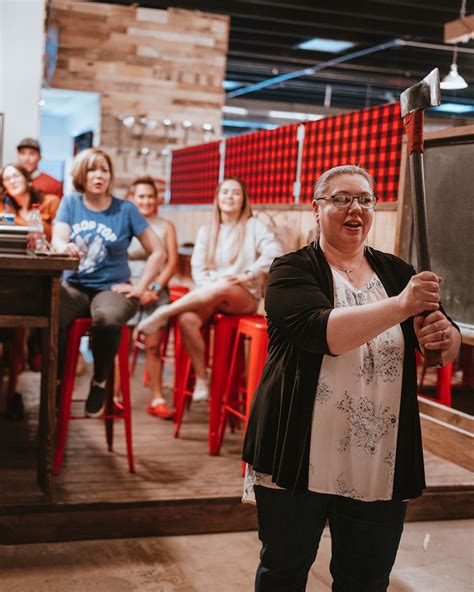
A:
x: 413, y: 101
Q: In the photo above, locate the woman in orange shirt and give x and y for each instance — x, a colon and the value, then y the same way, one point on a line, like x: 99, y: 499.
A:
x: 19, y: 196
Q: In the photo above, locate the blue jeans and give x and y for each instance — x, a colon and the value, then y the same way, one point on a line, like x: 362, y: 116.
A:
x: 365, y: 538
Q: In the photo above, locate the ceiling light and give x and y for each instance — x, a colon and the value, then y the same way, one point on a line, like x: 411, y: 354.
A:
x: 453, y: 80
x: 455, y: 108
x: 231, y: 84
x: 327, y: 45
x: 294, y: 115
x: 248, y: 124
x: 128, y: 121
x: 235, y: 110
x: 187, y: 124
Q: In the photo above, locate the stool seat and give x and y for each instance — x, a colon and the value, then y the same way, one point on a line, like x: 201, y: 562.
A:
x: 78, y: 329
x: 256, y: 331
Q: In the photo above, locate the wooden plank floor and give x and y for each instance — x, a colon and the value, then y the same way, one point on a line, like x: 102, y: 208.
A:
x: 173, y: 476
x: 166, y: 468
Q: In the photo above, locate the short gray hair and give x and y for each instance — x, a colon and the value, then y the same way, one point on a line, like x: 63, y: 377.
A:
x: 346, y: 169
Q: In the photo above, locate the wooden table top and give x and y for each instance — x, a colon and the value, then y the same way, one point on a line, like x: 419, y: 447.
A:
x: 37, y: 262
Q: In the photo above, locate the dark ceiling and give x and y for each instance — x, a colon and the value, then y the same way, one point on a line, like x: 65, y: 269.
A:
x: 264, y: 35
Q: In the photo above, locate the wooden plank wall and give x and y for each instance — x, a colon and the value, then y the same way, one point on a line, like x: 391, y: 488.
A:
x: 144, y: 62
x: 299, y: 219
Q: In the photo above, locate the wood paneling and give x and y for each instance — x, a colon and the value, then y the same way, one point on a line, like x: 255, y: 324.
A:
x: 189, y: 219
x: 144, y: 62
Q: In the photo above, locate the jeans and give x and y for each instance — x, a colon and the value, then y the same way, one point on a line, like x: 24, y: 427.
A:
x: 109, y: 311
x: 365, y: 538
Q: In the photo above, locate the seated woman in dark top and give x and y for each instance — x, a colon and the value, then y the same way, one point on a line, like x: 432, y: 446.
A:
x: 98, y: 228
x: 334, y: 432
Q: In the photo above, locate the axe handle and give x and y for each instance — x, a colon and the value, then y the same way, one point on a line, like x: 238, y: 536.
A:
x: 414, y: 128
x: 432, y: 357
x: 419, y: 210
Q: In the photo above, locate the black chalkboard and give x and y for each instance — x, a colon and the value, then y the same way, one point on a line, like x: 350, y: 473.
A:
x: 449, y: 179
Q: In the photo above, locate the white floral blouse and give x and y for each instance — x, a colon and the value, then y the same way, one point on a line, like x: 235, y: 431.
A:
x: 355, y: 414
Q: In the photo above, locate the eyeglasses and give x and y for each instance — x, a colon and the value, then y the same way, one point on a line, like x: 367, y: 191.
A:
x: 11, y: 178
x: 345, y: 200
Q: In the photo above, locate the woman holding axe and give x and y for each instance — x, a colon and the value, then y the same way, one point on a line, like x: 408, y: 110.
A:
x: 334, y: 432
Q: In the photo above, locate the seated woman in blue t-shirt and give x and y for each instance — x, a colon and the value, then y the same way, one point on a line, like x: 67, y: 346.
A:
x: 97, y: 227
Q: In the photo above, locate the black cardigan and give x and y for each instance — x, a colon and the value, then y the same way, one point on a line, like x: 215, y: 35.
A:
x: 298, y: 300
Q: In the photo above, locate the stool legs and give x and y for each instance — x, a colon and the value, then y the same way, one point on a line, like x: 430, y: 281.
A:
x: 182, y: 390
x: 78, y: 329
x: 232, y: 388
x: 224, y: 328
x: 127, y: 404
x: 443, y: 386
x: 67, y: 387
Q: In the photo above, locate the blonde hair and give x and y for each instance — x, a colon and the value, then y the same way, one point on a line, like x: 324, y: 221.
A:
x: 346, y: 169
x: 213, y: 237
x: 84, y: 162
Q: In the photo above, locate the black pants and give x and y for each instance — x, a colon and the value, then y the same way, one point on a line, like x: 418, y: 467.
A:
x: 109, y: 312
x: 365, y: 538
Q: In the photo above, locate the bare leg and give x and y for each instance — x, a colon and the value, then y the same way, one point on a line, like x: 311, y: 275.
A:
x: 191, y: 323
x: 154, y: 364
x: 154, y: 368
x: 234, y: 300
x: 221, y: 295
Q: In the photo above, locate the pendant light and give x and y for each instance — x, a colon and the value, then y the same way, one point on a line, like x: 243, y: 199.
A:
x: 453, y: 80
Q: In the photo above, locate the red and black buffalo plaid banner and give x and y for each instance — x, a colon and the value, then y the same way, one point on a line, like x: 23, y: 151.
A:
x: 266, y: 161
x: 195, y: 174
x: 371, y: 138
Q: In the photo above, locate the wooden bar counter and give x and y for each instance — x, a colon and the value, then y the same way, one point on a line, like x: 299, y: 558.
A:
x: 29, y: 297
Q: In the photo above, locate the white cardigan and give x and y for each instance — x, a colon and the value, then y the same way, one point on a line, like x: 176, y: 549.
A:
x: 259, y: 248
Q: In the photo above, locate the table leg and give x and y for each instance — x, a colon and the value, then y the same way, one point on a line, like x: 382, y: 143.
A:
x: 47, y: 415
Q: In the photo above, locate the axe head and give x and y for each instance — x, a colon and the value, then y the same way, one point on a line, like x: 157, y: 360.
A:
x: 421, y: 95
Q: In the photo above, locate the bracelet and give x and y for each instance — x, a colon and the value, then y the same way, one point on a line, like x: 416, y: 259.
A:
x: 156, y: 287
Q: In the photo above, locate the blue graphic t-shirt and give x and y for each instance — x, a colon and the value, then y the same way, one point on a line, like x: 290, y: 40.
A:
x: 104, y: 237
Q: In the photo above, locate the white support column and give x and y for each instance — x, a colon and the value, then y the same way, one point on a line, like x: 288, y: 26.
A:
x: 299, y: 161
x: 222, y: 146
x: 21, y: 70
x: 168, y: 163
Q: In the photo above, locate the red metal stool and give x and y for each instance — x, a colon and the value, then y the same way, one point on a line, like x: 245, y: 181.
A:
x: 443, y: 382
x: 233, y: 403
x: 224, y: 329
x: 183, y: 375
x: 78, y: 329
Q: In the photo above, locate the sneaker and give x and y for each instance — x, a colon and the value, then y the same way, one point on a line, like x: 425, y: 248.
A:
x: 15, y: 409
x: 161, y: 410
x: 95, y: 401
x: 201, y: 390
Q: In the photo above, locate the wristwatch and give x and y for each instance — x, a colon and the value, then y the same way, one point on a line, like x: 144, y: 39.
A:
x: 156, y: 287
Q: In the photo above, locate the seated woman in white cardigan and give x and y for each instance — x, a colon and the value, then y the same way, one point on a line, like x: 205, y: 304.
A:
x: 230, y: 260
